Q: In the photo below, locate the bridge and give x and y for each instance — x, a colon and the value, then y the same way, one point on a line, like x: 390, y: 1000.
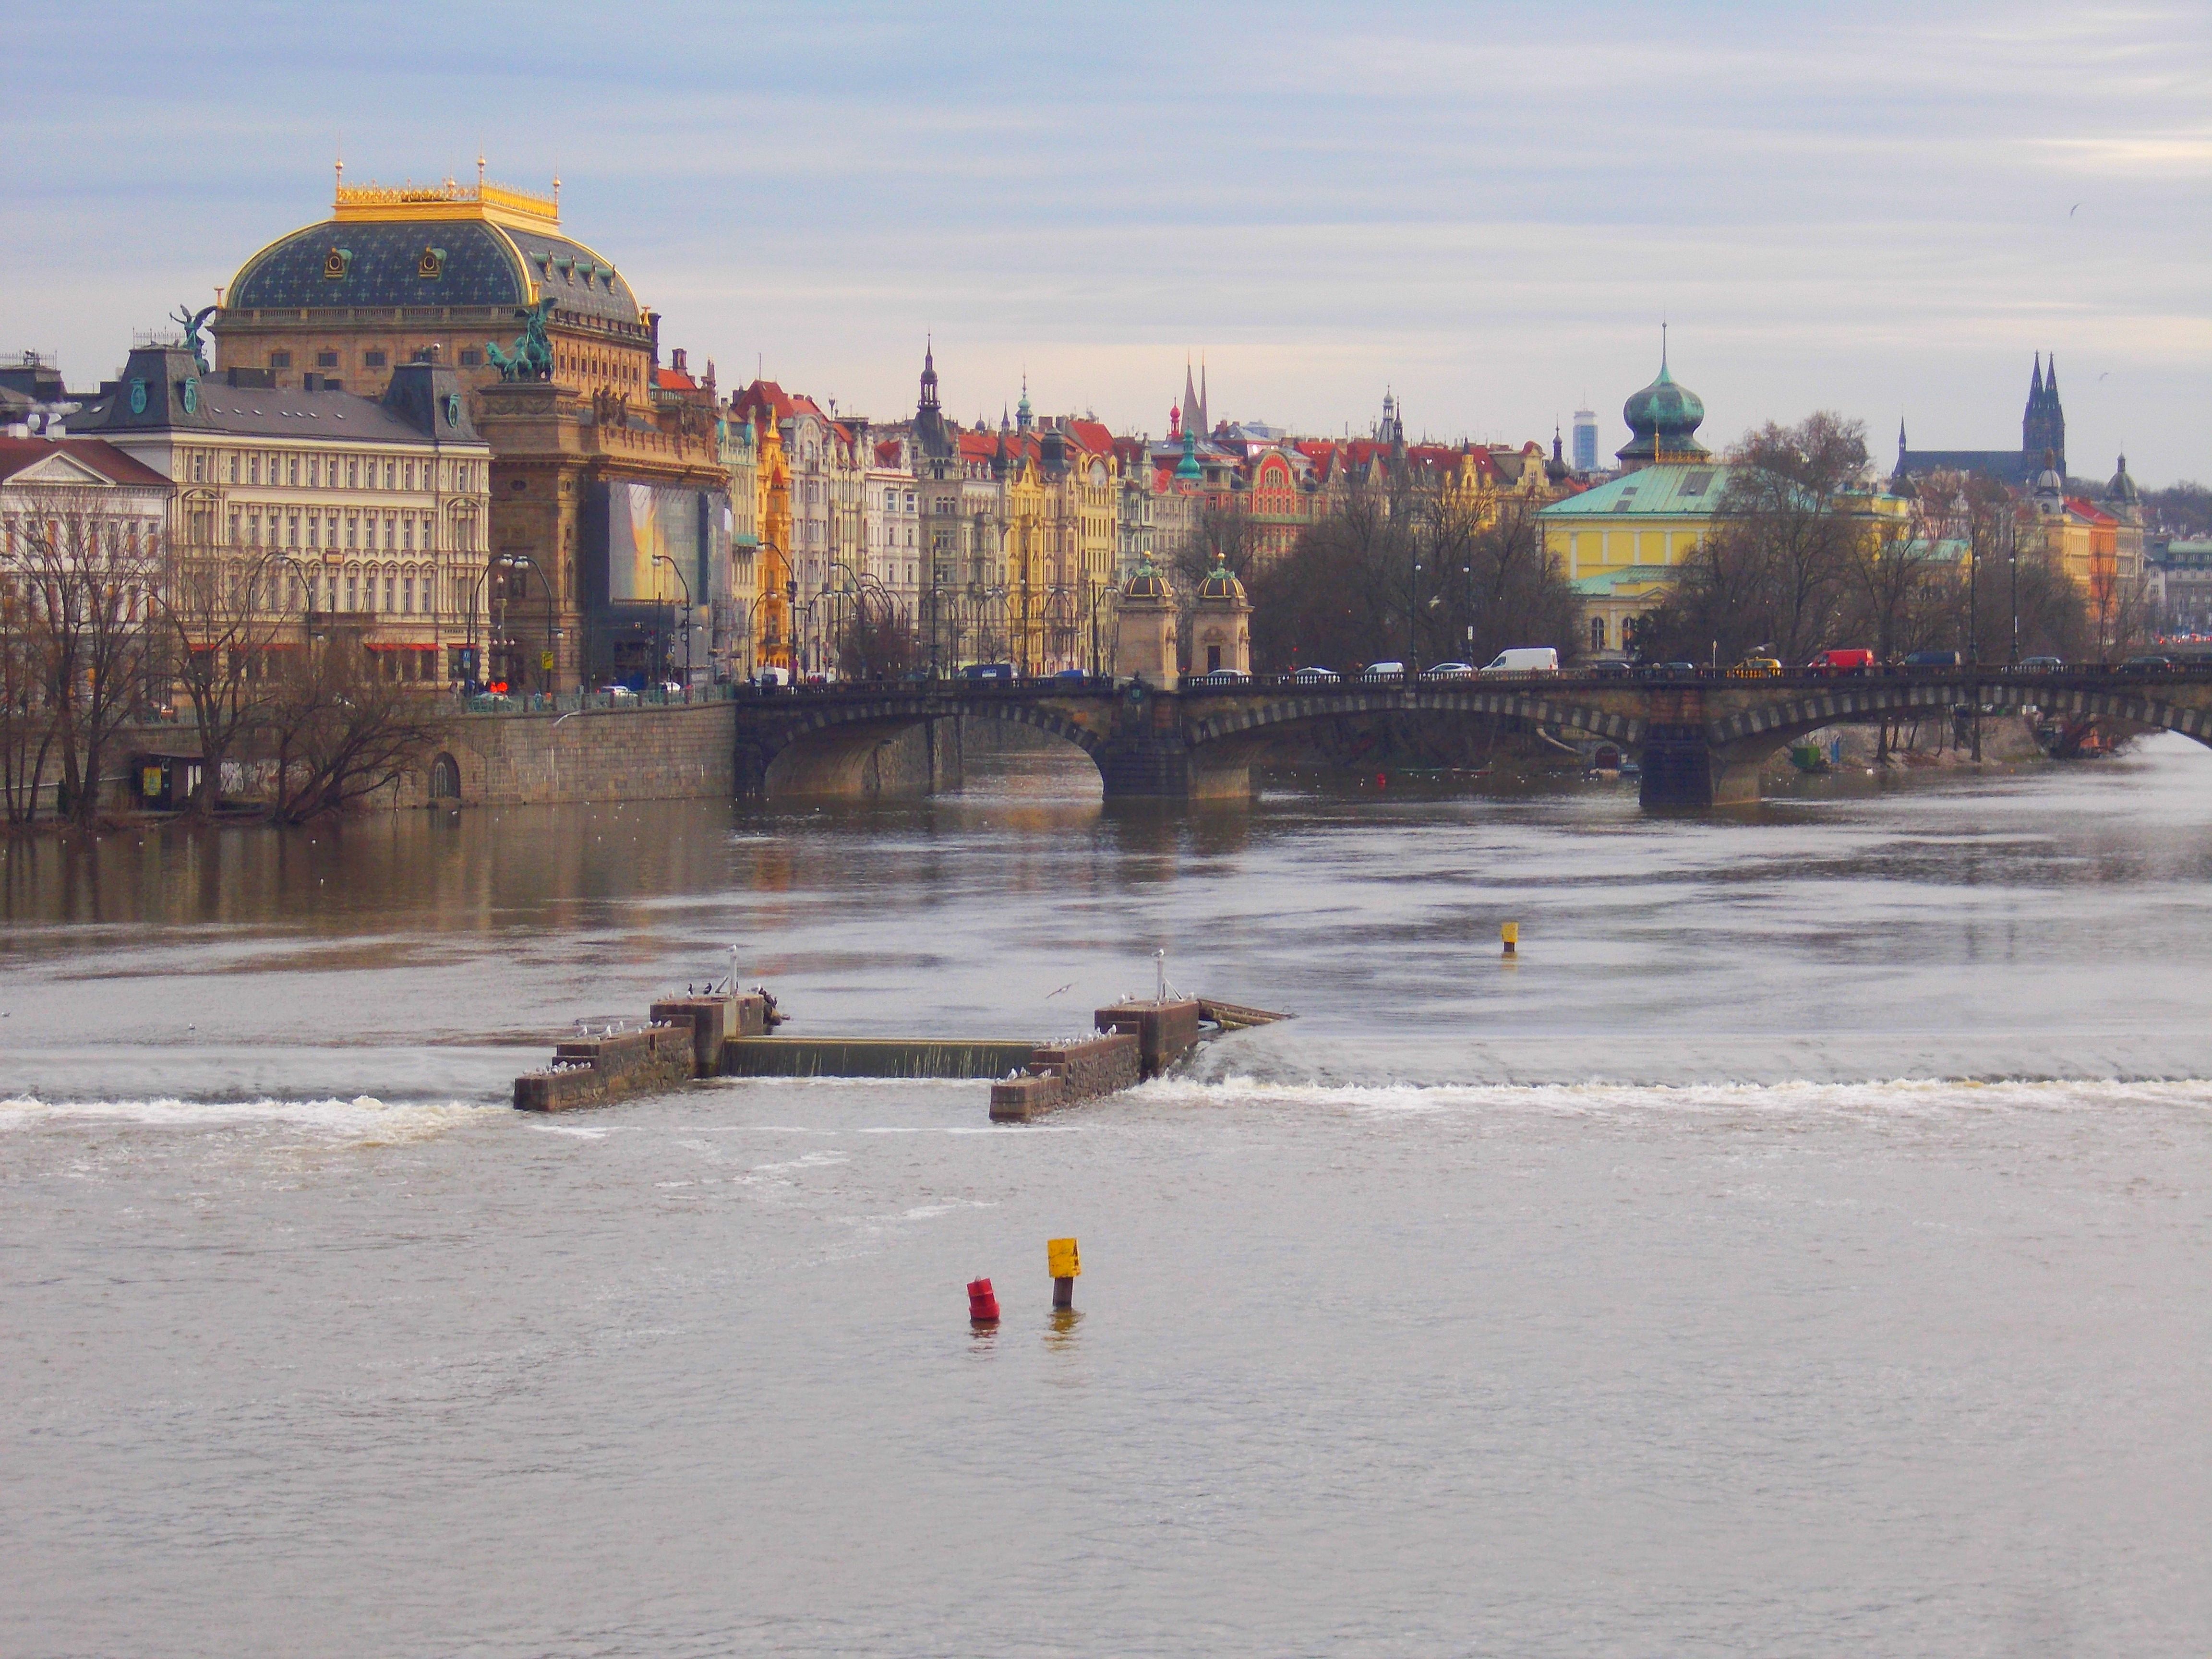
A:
x: 1701, y: 741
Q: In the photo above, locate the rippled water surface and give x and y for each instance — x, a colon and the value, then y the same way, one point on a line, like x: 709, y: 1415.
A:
x: 1802, y: 1248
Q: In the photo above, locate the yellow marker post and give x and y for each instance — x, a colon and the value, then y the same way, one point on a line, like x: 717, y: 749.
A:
x: 1063, y: 1261
x: 1510, y: 933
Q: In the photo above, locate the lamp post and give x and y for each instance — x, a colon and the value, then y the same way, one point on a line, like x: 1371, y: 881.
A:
x: 662, y: 558
x: 523, y: 562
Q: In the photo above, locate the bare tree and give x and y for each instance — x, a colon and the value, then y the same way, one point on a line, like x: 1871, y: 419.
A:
x: 339, y: 731
x: 90, y: 585
x: 222, y: 616
x: 28, y: 720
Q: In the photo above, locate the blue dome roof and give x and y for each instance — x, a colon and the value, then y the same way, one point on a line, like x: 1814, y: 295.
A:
x: 445, y: 262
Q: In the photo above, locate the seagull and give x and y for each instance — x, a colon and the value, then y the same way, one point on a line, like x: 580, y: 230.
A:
x: 2106, y: 375
x: 2076, y: 209
x: 1049, y: 995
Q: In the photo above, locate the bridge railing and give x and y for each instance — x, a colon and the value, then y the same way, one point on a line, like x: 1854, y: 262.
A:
x: 1309, y: 682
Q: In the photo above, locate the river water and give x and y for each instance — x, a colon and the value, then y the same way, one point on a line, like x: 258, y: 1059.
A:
x: 1801, y: 1247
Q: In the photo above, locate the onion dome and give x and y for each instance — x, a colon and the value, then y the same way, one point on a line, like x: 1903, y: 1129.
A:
x: 1145, y: 582
x: 1664, y: 418
x: 1221, y: 583
x: 2122, y: 488
x: 1188, y: 469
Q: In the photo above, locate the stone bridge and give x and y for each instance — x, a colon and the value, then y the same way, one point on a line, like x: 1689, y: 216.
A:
x: 1701, y: 742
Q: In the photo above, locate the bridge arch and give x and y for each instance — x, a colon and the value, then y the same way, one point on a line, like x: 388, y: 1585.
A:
x: 846, y: 748
x: 1251, y: 720
x: 1772, y: 724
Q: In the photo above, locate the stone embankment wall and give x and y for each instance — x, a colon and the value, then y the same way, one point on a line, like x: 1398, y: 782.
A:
x: 592, y: 1071
x: 598, y: 755
x: 1062, y: 1073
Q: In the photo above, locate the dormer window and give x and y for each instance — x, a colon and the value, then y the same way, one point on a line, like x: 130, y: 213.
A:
x: 336, y: 262
x: 431, y: 265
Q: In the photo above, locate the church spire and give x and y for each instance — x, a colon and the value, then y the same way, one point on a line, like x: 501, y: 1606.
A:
x: 929, y: 372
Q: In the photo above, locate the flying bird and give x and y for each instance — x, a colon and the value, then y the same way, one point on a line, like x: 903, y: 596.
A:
x: 2076, y: 209
x: 1049, y: 995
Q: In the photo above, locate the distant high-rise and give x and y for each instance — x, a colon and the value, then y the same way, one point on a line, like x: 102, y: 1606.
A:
x: 1585, y: 441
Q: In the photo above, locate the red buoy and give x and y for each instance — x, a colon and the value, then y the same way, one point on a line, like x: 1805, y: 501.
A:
x: 982, y: 1306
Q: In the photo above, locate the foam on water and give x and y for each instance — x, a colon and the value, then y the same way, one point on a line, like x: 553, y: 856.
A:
x: 364, y: 1119
x: 1895, y: 1097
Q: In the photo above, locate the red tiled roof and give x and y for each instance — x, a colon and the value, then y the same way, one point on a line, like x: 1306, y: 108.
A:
x: 674, y: 379
x: 102, y: 456
x: 1092, y: 435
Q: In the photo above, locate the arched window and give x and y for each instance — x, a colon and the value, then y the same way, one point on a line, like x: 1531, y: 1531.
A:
x: 1597, y: 633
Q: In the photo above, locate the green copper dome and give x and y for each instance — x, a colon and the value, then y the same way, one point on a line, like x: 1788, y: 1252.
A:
x: 1663, y: 418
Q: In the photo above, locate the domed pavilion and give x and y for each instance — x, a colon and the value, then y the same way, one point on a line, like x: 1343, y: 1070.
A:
x: 445, y: 272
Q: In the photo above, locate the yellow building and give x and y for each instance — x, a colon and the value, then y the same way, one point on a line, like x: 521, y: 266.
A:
x: 1620, y: 544
x: 370, y: 516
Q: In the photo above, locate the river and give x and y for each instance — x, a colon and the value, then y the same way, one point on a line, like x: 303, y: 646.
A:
x: 1801, y: 1247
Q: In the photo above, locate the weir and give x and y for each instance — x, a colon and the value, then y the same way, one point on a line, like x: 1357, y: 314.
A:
x: 690, y: 1038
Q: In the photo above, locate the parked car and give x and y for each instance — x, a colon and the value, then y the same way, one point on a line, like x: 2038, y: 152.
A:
x: 1071, y: 677
x: 1851, y: 659
x: 1757, y: 668
x: 1384, y: 671
x: 1448, y: 671
x: 1927, y: 659
x: 990, y: 671
x: 1524, y: 659
x: 1312, y: 676
x: 2148, y: 664
x: 1220, y: 676
x: 2041, y: 666
x: 1612, y: 670
x: 1670, y: 671
x: 618, y: 692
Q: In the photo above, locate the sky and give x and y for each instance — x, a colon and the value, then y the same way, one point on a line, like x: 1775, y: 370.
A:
x: 1883, y: 211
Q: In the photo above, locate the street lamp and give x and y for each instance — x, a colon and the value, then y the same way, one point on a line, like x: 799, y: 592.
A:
x: 662, y: 558
x: 523, y: 562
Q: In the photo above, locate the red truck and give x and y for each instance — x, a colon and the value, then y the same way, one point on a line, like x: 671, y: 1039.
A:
x: 1854, y: 660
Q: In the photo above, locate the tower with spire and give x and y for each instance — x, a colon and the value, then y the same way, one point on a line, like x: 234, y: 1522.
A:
x: 2043, y: 425
x: 2042, y: 435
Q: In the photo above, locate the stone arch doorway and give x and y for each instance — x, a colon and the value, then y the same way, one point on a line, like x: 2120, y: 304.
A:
x: 445, y: 781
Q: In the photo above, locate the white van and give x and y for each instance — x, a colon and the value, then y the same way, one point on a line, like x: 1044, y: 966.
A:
x: 1524, y: 659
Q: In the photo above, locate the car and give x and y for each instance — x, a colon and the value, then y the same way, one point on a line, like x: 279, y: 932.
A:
x: 1384, y: 671
x: 1448, y: 671
x: 990, y: 671
x: 1071, y: 677
x: 618, y: 692
x: 1612, y: 670
x: 2148, y: 664
x: 1524, y: 659
x: 772, y: 679
x: 1313, y: 675
x: 1220, y: 676
x: 672, y: 688
x: 1670, y: 671
x: 1757, y: 668
x: 2039, y: 665
x: 1927, y: 659
x: 1849, y: 660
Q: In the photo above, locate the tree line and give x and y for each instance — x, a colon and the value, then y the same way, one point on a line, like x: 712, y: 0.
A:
x: 102, y: 634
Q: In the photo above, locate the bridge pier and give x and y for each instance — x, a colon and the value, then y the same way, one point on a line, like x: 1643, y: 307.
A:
x: 1681, y: 768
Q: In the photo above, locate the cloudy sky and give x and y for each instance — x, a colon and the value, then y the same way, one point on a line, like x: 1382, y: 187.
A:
x: 1882, y: 210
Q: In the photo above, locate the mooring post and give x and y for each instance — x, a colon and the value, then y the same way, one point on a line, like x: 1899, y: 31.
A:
x: 1063, y: 1263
